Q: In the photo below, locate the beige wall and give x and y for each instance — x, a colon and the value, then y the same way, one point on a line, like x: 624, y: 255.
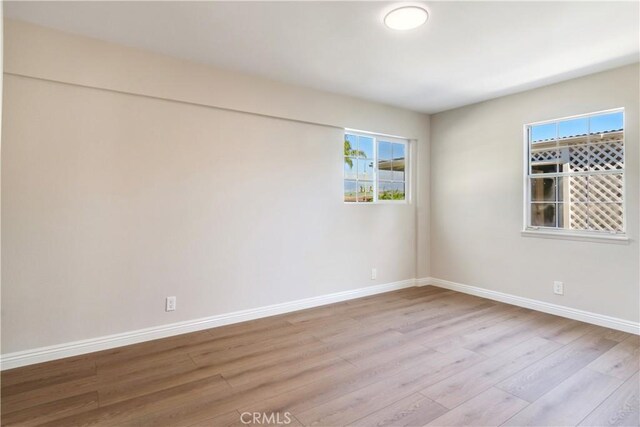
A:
x: 121, y: 185
x: 1, y: 86
x: 129, y: 176
x: 476, y: 200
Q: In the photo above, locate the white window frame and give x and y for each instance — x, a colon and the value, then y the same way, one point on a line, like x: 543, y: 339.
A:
x: 556, y: 233
x: 407, y: 166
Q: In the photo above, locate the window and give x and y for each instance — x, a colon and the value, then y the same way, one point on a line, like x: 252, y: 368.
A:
x: 575, y: 175
x: 374, y: 168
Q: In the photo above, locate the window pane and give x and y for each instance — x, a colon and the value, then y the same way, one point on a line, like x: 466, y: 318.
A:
x: 544, y: 168
x: 562, y: 188
x: 605, y: 216
x: 544, y: 160
x: 350, y: 168
x: 578, y: 190
x: 594, y: 216
x: 606, y: 123
x: 365, y: 169
x: 397, y: 151
x: 560, y: 212
x: 605, y: 188
x: 365, y: 191
x: 576, y: 128
x: 384, y: 172
x: 577, y: 216
x: 607, y: 128
x: 543, y: 132
x: 398, y: 191
x: 349, y: 191
x: 365, y: 147
x: 577, y: 158
x: 384, y: 150
x: 350, y: 145
x: 391, y: 191
x: 608, y: 156
x: 397, y: 164
x: 543, y: 189
x: 386, y: 190
x: 572, y: 156
x: 543, y: 214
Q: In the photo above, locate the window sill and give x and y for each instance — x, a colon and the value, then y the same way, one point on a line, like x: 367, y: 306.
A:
x: 386, y: 202
x: 619, y: 239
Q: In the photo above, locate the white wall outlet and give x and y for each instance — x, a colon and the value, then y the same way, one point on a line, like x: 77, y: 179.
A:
x: 171, y: 304
x: 558, y: 288
x: 374, y: 273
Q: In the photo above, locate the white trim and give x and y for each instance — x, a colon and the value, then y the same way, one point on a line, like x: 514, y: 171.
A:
x: 620, y: 239
x: 368, y: 133
x: 577, y: 116
x: 45, y: 354
x: 425, y: 281
x: 558, y: 310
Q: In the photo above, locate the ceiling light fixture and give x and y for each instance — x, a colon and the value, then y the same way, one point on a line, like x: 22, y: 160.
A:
x: 406, y: 18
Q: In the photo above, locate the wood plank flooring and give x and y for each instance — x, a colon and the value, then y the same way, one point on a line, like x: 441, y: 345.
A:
x: 418, y: 356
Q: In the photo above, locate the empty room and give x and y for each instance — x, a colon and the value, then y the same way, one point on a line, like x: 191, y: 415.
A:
x: 320, y: 213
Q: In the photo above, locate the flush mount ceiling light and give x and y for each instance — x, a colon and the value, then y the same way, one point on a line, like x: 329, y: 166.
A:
x: 406, y: 18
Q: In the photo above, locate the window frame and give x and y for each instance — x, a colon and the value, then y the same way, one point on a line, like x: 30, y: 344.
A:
x: 406, y: 142
x: 603, y: 236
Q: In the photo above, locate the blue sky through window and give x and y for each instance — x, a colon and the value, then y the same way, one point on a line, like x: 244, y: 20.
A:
x: 384, y: 150
x: 578, y: 126
x: 365, y: 144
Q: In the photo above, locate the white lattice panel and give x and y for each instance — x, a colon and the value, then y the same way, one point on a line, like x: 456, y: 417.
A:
x: 544, y: 156
x: 606, y: 216
x: 605, y: 188
x: 579, y: 156
x: 596, y: 157
x: 578, y: 189
x: 579, y: 216
x: 596, y: 202
x: 607, y: 156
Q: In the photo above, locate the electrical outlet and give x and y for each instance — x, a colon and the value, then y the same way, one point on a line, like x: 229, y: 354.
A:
x: 171, y: 304
x: 374, y: 273
x: 558, y: 288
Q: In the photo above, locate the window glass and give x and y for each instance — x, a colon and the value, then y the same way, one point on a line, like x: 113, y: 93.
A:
x: 543, y: 132
x: 576, y: 173
x: 543, y: 214
x: 573, y: 128
x: 543, y: 189
x: 350, y: 170
x: 365, y: 191
x: 374, y: 169
x: 365, y: 169
x: 349, y: 191
x: 384, y: 151
x: 397, y: 162
x: 365, y: 147
x: 606, y: 122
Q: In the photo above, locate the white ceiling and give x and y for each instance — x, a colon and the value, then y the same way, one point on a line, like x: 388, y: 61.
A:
x: 467, y: 52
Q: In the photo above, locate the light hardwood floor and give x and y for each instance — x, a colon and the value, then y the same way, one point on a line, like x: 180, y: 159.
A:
x: 418, y: 356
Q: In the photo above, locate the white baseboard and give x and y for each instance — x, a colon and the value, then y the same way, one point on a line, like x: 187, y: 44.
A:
x: 559, y: 310
x: 425, y: 281
x: 45, y: 354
